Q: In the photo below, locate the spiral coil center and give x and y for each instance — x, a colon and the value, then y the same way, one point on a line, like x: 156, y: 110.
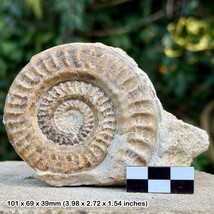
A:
x: 73, y: 111
x: 71, y: 122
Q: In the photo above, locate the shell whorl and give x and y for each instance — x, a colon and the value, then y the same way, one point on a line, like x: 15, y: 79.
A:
x: 69, y: 113
x: 65, y: 107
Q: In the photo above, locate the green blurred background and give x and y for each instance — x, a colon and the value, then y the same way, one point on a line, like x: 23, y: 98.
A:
x: 171, y: 40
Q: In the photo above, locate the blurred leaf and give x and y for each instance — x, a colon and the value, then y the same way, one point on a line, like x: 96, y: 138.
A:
x: 189, y: 7
x: 36, y: 6
x: 148, y: 34
x: 3, y: 68
x: 191, y: 34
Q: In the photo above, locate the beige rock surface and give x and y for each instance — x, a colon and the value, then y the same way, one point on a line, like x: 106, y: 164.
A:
x: 80, y: 113
x: 18, y: 182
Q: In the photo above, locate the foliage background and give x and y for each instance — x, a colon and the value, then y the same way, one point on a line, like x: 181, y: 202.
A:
x: 171, y: 40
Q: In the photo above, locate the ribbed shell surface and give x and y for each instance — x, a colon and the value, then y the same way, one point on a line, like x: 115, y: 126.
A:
x: 67, y: 104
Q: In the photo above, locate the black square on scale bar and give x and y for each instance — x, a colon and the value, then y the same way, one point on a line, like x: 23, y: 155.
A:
x: 182, y: 186
x: 137, y: 185
x: 159, y: 173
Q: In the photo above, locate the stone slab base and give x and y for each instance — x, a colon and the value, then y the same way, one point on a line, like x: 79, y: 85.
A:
x: 18, y: 184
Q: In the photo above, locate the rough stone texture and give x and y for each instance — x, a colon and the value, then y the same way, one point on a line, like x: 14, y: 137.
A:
x: 79, y: 113
x: 18, y: 182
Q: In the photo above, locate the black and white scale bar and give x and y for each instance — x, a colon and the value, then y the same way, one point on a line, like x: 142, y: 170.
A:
x: 175, y: 179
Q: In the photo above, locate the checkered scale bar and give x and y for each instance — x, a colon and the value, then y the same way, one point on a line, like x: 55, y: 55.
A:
x: 160, y: 179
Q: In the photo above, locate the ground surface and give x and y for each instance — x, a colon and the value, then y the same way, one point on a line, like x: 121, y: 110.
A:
x: 20, y: 189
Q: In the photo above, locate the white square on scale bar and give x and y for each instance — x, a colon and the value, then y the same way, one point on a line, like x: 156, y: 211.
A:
x: 159, y: 186
x: 134, y: 172
x: 182, y: 173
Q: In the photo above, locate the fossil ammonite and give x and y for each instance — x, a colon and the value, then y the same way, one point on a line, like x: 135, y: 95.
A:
x: 80, y: 112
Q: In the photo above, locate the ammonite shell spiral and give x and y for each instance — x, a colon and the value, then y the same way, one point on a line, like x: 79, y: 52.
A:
x: 71, y: 105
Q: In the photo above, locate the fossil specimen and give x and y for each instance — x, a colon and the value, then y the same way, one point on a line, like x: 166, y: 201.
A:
x: 79, y: 113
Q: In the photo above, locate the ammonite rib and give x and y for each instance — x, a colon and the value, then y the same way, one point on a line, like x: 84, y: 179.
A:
x: 75, y: 98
